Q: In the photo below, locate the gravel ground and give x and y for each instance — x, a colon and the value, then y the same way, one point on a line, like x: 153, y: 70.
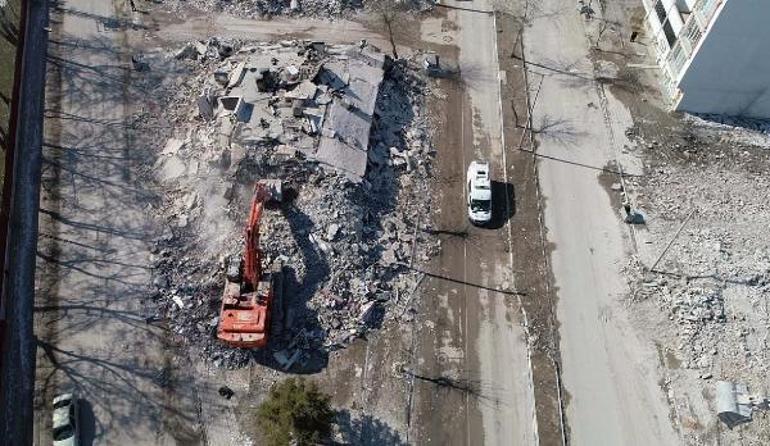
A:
x: 711, y: 289
x: 311, y: 8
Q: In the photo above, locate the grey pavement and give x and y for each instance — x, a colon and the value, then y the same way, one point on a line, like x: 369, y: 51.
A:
x: 96, y: 229
x: 610, y: 374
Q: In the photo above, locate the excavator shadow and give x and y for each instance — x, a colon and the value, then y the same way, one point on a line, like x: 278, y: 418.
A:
x: 297, y: 338
x: 294, y: 345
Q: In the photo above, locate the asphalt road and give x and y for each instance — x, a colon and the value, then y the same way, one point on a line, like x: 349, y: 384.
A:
x: 94, y: 250
x: 609, y: 374
x: 480, y: 342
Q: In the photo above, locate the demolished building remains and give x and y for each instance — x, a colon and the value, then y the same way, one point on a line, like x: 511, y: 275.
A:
x: 343, y: 128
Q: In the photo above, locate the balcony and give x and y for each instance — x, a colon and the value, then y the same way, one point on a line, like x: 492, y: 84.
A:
x: 673, y: 58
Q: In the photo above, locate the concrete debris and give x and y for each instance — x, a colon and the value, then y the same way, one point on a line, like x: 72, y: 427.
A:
x: 304, y: 8
x: 172, y: 147
x: 233, y: 105
x: 345, y: 227
x: 707, y: 302
x: 226, y: 392
x: 734, y: 403
x: 205, y: 107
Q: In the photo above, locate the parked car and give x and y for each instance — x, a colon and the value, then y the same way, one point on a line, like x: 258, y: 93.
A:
x: 479, y: 193
x: 65, y: 420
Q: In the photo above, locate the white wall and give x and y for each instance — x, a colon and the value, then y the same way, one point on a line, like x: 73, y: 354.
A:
x: 730, y: 72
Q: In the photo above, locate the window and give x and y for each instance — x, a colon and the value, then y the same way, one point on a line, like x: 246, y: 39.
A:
x: 60, y: 404
x: 63, y: 432
x: 480, y: 205
x: 668, y: 30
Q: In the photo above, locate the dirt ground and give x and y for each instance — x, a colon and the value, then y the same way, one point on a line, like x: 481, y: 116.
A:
x: 531, y: 269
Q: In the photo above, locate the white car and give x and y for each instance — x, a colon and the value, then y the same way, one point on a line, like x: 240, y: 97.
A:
x: 65, y: 420
x: 479, y: 193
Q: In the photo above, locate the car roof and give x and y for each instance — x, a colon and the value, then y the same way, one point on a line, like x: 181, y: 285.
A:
x: 481, y: 194
x: 61, y: 416
x: 478, y: 174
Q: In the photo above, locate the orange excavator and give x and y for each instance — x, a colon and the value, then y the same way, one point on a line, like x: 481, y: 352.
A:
x: 244, y: 320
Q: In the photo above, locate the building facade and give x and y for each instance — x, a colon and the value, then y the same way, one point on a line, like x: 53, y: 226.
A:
x: 714, y: 54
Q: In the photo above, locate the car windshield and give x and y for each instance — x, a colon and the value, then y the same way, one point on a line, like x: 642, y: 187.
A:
x: 63, y: 433
x: 480, y: 205
x: 60, y: 404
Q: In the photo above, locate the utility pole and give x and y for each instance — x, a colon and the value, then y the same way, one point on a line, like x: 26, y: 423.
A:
x: 678, y: 231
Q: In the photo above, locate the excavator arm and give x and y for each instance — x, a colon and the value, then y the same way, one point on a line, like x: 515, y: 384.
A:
x: 252, y: 268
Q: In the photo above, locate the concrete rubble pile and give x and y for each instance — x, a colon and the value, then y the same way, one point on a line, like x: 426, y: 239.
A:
x: 304, y: 8
x: 714, y: 283
x: 345, y: 131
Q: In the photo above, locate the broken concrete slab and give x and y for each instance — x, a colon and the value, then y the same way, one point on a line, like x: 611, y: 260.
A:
x: 205, y: 108
x: 304, y: 91
x: 172, y: 147
x: 235, y: 77
x: 343, y: 157
x: 233, y: 105
x: 733, y: 406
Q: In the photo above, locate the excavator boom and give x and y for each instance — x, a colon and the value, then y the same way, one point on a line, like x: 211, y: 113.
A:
x: 252, y: 268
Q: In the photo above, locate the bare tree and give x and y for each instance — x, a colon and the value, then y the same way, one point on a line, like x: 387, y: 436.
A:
x: 388, y: 13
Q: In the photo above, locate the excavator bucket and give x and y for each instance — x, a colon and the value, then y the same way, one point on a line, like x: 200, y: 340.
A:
x: 274, y: 189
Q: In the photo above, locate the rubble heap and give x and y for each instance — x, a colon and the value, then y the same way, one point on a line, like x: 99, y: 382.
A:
x: 345, y: 131
x: 714, y: 282
x: 305, y: 8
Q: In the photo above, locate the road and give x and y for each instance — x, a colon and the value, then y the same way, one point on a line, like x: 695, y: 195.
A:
x: 610, y: 375
x: 480, y: 341
x: 96, y: 233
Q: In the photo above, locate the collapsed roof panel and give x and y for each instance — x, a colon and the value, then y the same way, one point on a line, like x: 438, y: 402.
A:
x: 342, y: 157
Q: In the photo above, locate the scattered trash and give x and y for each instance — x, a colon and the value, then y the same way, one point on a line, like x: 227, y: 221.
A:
x: 226, y: 392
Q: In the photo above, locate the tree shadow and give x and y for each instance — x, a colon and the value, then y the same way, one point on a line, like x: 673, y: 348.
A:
x: 559, y: 130
x: 366, y: 430
x: 549, y: 67
x: 122, y: 391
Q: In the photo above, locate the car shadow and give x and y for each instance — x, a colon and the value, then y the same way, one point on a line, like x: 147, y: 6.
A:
x: 503, y: 204
x: 87, y: 421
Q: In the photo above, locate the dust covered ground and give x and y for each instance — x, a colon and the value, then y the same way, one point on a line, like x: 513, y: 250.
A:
x: 705, y: 306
